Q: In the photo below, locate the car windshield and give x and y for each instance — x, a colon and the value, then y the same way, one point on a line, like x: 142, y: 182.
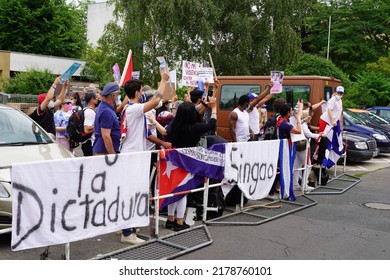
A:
x: 375, y: 118
x: 354, y: 117
x: 18, y: 129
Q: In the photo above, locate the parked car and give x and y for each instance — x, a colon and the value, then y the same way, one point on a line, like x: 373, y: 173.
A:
x: 383, y: 112
x: 359, y: 147
x: 21, y: 140
x: 353, y: 123
x: 373, y: 120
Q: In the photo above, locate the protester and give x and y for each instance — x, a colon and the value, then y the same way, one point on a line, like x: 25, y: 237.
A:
x: 254, y: 116
x: 239, y: 121
x: 44, y: 113
x: 262, y: 119
x: 333, y: 116
x: 185, y: 131
x: 106, y: 126
x: 89, y: 120
x: 76, y: 101
x: 61, y: 118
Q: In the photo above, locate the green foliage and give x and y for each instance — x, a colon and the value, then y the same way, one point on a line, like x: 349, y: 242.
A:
x: 243, y: 39
x: 49, y: 27
x: 382, y: 65
x: 31, y: 82
x: 360, y: 32
x: 315, y: 65
x: 370, y: 89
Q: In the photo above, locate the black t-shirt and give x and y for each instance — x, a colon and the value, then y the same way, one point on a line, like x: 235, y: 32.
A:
x: 45, y: 119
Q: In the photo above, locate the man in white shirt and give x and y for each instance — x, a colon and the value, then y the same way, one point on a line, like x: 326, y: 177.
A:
x: 89, y: 120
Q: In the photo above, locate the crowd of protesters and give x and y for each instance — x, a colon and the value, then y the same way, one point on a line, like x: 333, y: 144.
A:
x: 143, y: 121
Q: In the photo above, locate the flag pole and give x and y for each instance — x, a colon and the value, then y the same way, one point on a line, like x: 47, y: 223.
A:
x: 327, y: 53
x: 212, y: 65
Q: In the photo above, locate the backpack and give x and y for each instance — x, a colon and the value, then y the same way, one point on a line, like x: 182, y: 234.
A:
x: 270, y: 131
x: 75, y: 127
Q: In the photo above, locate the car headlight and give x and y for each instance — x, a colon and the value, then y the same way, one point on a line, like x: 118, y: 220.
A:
x: 3, y: 191
x: 361, y: 145
x: 379, y: 136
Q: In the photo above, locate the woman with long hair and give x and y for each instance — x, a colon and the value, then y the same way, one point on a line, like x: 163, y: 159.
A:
x: 185, y: 132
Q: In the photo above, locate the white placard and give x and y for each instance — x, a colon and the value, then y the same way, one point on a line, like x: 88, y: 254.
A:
x: 60, y: 201
x: 190, y: 73
x: 206, y: 74
x: 252, y: 166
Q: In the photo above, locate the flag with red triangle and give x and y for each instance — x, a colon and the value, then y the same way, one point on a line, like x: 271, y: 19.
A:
x: 128, y: 70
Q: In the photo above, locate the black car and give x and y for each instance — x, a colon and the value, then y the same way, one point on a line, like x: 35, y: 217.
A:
x: 359, y: 147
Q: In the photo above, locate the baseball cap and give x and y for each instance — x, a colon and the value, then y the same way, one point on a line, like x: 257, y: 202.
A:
x: 252, y: 95
x: 339, y: 89
x: 110, y: 88
x: 41, y: 98
x: 264, y: 106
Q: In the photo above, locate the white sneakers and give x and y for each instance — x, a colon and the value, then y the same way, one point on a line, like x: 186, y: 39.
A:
x: 308, y: 189
x: 131, y: 239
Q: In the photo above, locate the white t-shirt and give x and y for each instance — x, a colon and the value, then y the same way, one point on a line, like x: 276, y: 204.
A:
x: 337, y: 108
x: 242, y: 125
x: 89, y: 120
x: 150, y: 146
x: 254, y: 119
x: 136, y: 129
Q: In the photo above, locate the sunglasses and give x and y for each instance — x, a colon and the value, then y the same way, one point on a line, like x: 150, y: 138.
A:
x: 69, y: 102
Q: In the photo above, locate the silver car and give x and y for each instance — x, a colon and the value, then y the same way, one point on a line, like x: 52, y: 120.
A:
x: 21, y: 140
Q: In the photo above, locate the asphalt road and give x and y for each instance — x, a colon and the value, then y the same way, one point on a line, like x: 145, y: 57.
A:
x: 339, y: 227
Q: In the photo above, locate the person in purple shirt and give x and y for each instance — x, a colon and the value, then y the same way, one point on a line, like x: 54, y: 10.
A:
x: 107, y: 129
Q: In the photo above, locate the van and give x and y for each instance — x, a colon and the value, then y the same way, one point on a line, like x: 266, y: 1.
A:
x: 309, y: 88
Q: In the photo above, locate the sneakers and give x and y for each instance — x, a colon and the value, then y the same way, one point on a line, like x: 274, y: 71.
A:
x: 170, y: 225
x: 131, y: 239
x: 181, y: 227
x: 308, y: 189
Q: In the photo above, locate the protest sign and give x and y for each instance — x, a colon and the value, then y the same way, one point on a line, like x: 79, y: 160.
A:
x: 252, y: 166
x: 60, y: 201
x: 69, y: 72
x: 190, y: 73
x: 116, y: 72
x: 206, y: 74
x: 277, y: 81
x: 136, y: 75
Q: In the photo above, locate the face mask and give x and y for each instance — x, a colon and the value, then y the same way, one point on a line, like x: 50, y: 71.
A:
x: 159, y: 104
x: 263, y: 110
x: 72, y: 102
x: 51, y: 104
x: 247, y: 108
x: 68, y: 107
x: 338, y: 96
x: 170, y: 106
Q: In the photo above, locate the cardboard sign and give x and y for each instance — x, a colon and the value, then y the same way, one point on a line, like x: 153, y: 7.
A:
x: 190, y: 73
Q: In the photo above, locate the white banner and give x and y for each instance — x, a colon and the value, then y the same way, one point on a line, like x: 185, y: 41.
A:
x: 252, y: 166
x: 190, y: 73
x: 61, y: 201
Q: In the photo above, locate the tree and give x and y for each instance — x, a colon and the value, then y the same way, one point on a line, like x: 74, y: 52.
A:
x: 315, y: 65
x: 370, y: 89
x: 382, y: 65
x: 243, y: 39
x: 360, y: 32
x: 49, y: 27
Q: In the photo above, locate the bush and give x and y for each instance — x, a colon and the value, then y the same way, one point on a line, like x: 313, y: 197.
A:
x: 370, y: 89
x: 31, y: 82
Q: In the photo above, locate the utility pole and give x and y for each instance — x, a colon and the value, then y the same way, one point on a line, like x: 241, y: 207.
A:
x: 327, y: 53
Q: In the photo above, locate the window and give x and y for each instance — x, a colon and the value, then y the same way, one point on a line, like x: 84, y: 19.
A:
x: 231, y: 93
x: 327, y: 92
x: 292, y: 95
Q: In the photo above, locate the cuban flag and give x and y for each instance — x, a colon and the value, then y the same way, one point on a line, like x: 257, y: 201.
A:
x: 128, y: 70
x: 184, y: 169
x: 286, y: 168
x: 335, y: 145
